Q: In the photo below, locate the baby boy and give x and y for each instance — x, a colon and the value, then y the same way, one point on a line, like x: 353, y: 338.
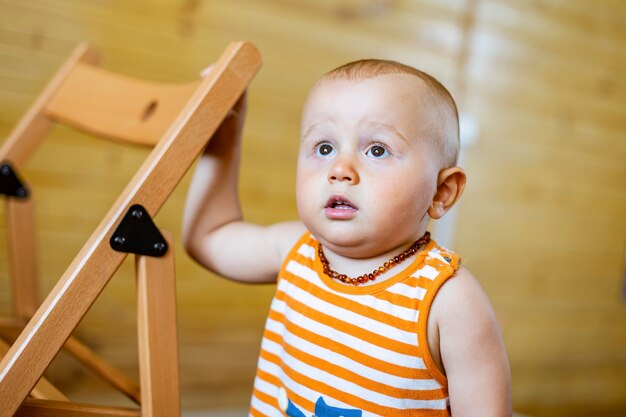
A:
x: 370, y: 317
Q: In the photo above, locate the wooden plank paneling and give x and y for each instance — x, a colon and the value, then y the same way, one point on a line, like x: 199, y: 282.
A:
x: 541, y: 223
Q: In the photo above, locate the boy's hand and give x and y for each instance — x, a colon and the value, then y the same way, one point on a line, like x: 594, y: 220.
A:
x: 231, y: 129
x: 228, y: 135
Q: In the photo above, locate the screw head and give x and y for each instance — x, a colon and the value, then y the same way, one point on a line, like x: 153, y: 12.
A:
x: 119, y: 240
x: 21, y: 192
x: 159, y: 247
x: 137, y: 214
x: 5, y: 170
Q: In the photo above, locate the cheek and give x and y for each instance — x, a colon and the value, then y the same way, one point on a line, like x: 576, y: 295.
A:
x: 300, y: 189
x: 309, y: 173
x: 304, y: 188
x: 409, y: 198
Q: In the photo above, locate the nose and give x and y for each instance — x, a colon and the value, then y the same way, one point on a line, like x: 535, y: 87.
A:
x: 343, y: 170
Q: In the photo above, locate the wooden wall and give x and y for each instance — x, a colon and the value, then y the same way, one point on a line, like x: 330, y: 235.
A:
x: 542, y: 223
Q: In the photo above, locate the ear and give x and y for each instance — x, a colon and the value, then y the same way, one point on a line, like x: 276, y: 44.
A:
x: 450, y: 186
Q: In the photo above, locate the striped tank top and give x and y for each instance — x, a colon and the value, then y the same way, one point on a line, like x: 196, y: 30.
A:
x: 336, y: 350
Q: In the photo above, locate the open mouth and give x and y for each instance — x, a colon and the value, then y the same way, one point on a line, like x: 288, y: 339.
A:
x: 340, y: 203
x: 338, y: 207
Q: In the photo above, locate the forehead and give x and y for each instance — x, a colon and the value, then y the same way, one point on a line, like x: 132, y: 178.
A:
x: 391, y: 98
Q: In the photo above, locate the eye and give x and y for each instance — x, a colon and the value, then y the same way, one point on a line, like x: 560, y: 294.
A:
x: 377, y: 151
x: 324, y: 149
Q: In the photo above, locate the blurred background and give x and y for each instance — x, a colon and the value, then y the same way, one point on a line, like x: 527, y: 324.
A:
x: 542, y: 223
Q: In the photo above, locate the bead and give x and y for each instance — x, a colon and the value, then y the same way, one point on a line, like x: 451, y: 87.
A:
x: 376, y: 272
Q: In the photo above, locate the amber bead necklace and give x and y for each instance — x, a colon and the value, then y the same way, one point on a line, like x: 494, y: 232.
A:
x: 422, y: 241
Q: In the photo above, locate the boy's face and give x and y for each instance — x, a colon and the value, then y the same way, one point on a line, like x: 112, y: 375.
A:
x: 366, y: 172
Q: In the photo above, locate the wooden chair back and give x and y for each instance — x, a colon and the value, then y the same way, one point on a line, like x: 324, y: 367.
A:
x: 178, y: 120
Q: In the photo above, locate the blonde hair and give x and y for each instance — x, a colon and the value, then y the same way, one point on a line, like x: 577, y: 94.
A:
x: 446, y: 121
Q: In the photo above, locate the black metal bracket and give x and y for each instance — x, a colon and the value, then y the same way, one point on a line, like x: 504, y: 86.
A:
x: 10, y: 183
x: 138, y: 234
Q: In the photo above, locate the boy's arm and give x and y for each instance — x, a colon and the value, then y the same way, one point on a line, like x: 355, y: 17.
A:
x: 472, y: 350
x: 213, y: 231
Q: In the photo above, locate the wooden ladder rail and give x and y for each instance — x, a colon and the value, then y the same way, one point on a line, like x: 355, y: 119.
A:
x: 43, y: 389
x: 10, y: 330
x: 90, y: 271
x: 158, y: 349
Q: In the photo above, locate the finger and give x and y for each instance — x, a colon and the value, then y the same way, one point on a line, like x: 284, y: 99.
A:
x: 206, y: 71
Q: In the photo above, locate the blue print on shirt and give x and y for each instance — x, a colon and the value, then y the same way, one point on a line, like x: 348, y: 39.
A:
x: 322, y: 410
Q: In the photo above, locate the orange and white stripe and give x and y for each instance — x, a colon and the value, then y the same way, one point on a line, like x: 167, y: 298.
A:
x: 360, y: 348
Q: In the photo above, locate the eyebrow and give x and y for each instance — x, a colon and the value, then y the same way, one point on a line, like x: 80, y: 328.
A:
x: 375, y: 124
x: 313, y: 127
x: 306, y: 133
x: 393, y: 129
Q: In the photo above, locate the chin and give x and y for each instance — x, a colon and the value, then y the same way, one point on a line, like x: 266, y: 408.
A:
x: 343, y: 243
x: 335, y: 237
